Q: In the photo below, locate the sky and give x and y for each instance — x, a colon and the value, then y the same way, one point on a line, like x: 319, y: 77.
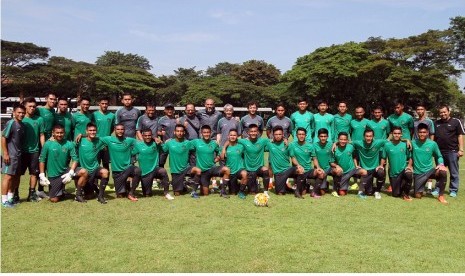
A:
x: 201, y: 33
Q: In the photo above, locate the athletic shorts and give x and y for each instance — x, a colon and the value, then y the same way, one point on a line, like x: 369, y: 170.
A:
x: 30, y: 161
x: 344, y: 185
x: 147, y: 179
x: 280, y: 179
x: 252, y: 183
x: 233, y: 182
x: 420, y: 180
x: 208, y: 174
x: 93, y: 175
x: 120, y: 179
x: 56, y: 187
x: 177, y: 179
x: 14, y: 168
x: 104, y: 158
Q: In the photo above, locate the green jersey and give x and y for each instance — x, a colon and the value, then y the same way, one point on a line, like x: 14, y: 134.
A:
x: 179, y: 154
x: 303, y: 153
x: 254, y: 153
x: 422, y: 155
x: 56, y: 156
x: 234, y: 158
x: 47, y: 115
x: 120, y: 151
x: 341, y: 124
x: 33, y: 126
x: 147, y: 156
x: 344, y: 157
x: 324, y: 155
x: 206, y: 151
x: 105, y: 123
x: 81, y: 120
x: 323, y: 121
x: 66, y: 120
x: 404, y: 121
x: 397, y: 155
x: 368, y: 154
x: 357, y: 129
x: 303, y: 120
x: 88, y: 151
x: 279, y: 156
x: 381, y: 128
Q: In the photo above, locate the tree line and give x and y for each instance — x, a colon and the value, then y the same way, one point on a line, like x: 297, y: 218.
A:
x: 423, y: 67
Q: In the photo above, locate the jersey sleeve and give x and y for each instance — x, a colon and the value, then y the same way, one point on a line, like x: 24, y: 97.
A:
x: 43, y: 152
x: 7, y: 131
x: 139, y: 124
x: 117, y: 114
x: 72, y: 152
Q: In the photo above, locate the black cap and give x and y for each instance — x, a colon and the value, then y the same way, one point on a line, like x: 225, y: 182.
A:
x: 167, y: 105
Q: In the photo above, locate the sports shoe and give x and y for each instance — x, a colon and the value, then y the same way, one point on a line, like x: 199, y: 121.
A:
x: 14, y: 201
x: 102, y: 200
x: 389, y: 189
x: 241, y: 195
x: 132, y: 198
x: 377, y: 195
x: 33, y: 197
x: 418, y: 195
x: 453, y: 194
x: 428, y: 191
x: 169, y: 197
x: 195, y: 195
x: 79, y: 198
x: 266, y: 193
x: 342, y: 192
x: 298, y: 195
x: 270, y: 186
x: 315, y: 196
x: 109, y: 188
x: 42, y: 194
x: 362, y: 195
x: 435, y: 193
x: 7, y: 204
x: 442, y: 199
x: 224, y: 195
x: 354, y: 187
x: 322, y: 192
x: 335, y: 194
x: 407, y: 198
x: 294, y: 187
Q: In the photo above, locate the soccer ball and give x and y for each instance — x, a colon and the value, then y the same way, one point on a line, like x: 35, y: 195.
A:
x: 261, y: 200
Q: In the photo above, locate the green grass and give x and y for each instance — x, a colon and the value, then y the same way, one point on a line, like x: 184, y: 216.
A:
x: 213, y: 234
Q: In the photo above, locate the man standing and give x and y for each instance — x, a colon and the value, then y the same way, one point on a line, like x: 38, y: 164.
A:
x: 55, y: 157
x: 89, y: 148
x: 402, y: 120
x: 192, y: 125
x: 302, y: 118
x: 398, y: 155
x: 148, y: 154
x: 423, y: 151
x: 323, y: 120
x: 252, y: 118
x: 208, y: 151
x: 166, y: 127
x: 105, y: 122
x: 34, y: 138
x: 82, y: 117
x: 46, y: 112
x: 423, y: 118
x: 225, y: 124
x: 449, y: 137
x: 64, y: 118
x: 302, y: 154
x: 209, y: 116
x: 358, y: 125
x: 127, y: 115
x: 279, y: 120
x: 147, y: 121
x: 342, y: 120
x: 379, y: 125
x: 120, y: 148
x: 12, y: 137
x: 179, y: 148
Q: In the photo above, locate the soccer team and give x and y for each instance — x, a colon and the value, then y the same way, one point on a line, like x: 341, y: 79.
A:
x: 57, y: 147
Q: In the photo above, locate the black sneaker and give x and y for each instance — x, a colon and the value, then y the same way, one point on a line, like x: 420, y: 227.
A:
x: 224, y: 195
x: 298, y: 195
x: 79, y: 198
x: 33, y: 197
x: 102, y: 200
x: 16, y: 199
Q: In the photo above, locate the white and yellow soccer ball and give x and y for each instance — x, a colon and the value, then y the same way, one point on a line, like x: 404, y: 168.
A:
x: 261, y: 200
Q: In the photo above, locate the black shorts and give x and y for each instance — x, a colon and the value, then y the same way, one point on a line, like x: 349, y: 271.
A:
x: 233, y: 185
x: 208, y: 174
x: 14, y: 168
x: 177, y: 179
x: 56, y: 187
x: 93, y: 175
x: 120, y: 178
x: 147, y: 179
x: 344, y: 184
x: 280, y: 179
x: 421, y: 179
x: 103, y: 157
x: 30, y: 161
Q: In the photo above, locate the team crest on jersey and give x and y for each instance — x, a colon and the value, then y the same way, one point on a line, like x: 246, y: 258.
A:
x: 64, y: 150
x: 428, y: 149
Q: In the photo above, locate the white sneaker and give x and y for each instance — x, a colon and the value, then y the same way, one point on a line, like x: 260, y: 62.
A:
x: 42, y: 194
x: 377, y: 195
x: 169, y: 197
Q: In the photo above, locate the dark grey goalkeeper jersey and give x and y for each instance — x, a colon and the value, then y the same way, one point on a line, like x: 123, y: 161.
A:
x: 128, y: 117
x: 210, y: 119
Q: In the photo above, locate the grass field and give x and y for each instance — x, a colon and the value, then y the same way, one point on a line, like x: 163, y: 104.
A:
x: 212, y: 234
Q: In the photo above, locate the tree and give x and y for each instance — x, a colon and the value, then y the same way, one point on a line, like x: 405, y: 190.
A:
x: 222, y: 69
x: 257, y: 72
x: 116, y: 58
x: 457, y: 38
